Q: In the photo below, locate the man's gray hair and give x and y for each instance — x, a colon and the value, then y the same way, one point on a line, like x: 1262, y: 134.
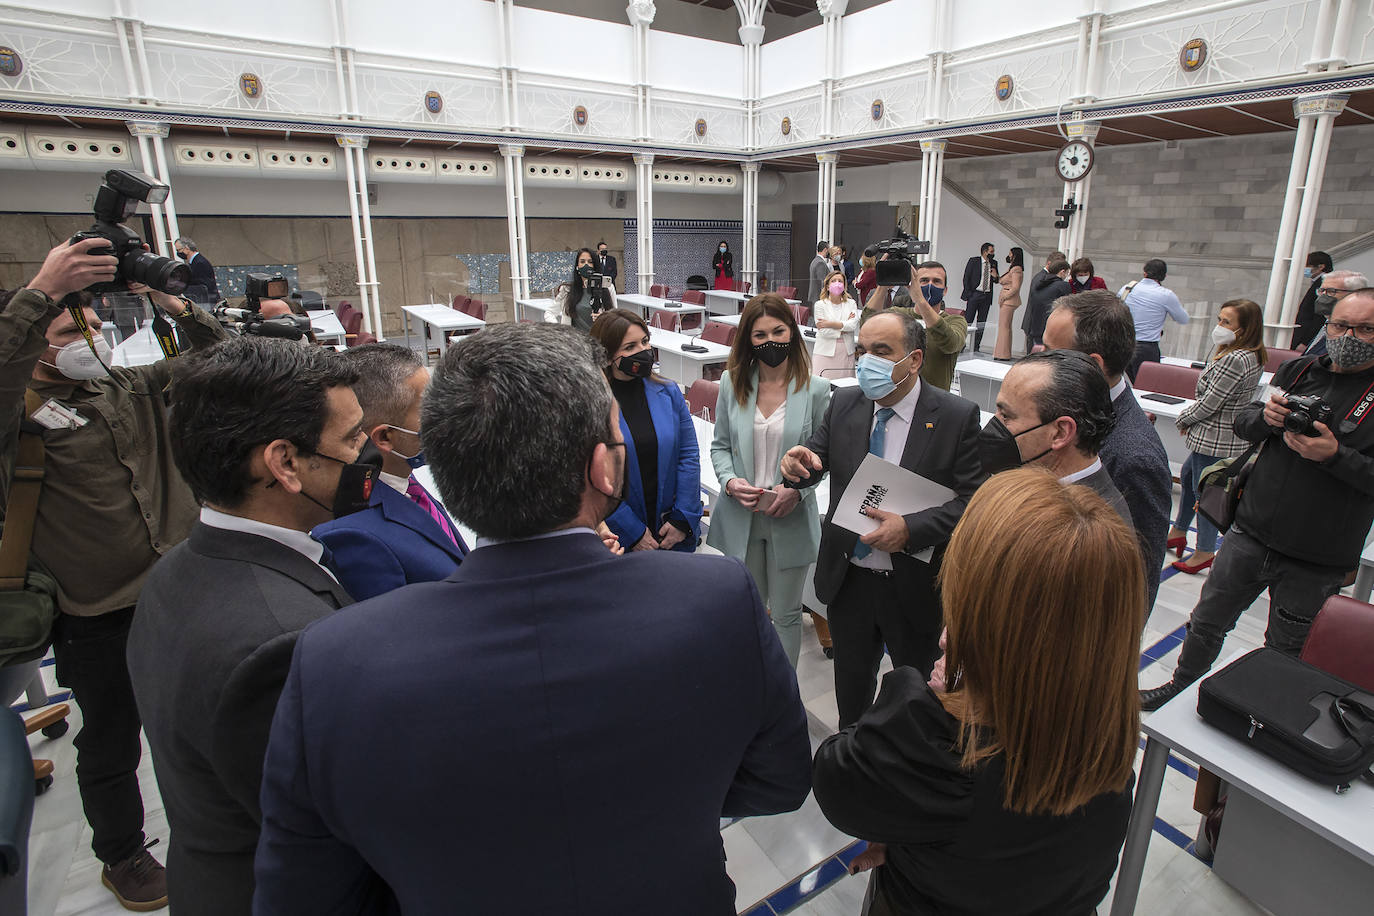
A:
x: 186, y: 243
x: 509, y: 423
x: 1345, y: 279
x: 913, y: 333
x: 384, y: 371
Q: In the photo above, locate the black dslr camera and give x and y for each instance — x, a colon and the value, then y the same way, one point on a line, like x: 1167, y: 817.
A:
x: 1303, y: 411
x: 895, y: 269
x: 118, y: 198
x: 595, y: 285
x: 249, y: 319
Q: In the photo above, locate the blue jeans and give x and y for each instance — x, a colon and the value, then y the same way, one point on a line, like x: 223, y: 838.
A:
x: 1188, y: 480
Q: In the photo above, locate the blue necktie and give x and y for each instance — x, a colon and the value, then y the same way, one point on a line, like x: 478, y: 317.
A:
x: 876, y: 440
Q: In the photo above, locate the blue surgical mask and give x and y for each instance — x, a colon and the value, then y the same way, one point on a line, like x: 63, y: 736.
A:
x: 934, y: 294
x: 418, y: 459
x: 875, y: 375
x: 1307, y: 273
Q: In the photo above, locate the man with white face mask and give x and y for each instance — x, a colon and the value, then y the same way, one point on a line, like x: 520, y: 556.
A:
x: 877, y: 591
x: 112, y: 503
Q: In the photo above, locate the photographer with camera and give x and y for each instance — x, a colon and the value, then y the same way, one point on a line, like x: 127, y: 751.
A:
x: 584, y: 297
x: 265, y: 312
x: 1307, y: 507
x: 945, y: 333
x: 111, y: 505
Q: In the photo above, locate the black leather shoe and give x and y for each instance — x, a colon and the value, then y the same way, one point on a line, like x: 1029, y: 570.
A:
x: 1150, y: 700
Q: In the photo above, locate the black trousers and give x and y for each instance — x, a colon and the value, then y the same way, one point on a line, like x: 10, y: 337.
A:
x: 90, y: 660
x: 979, y: 304
x: 872, y: 610
x: 1146, y: 351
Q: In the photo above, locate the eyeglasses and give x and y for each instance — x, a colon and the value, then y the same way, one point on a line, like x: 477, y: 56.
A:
x: 1339, y: 329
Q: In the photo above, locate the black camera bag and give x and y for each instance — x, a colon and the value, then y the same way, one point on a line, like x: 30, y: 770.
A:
x: 1296, y: 713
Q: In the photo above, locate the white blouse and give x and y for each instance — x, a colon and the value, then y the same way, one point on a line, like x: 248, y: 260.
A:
x: 846, y: 311
x: 768, y: 445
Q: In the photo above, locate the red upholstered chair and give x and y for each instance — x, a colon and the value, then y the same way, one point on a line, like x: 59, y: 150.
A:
x: 1341, y: 641
x: 787, y: 292
x: 1278, y: 357
x: 802, y: 313
x: 362, y: 337
x: 747, y: 286
x: 1180, y: 381
x: 720, y: 332
x: 693, y: 297
x: 659, y: 290
x: 668, y: 321
x: 460, y: 303
x: 477, y: 309
x: 725, y: 283
x: 342, y: 307
x: 701, y: 398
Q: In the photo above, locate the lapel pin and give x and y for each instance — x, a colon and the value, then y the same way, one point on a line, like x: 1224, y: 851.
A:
x: 930, y: 426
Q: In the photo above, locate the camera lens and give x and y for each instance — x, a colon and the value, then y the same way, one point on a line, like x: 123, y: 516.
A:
x: 162, y: 274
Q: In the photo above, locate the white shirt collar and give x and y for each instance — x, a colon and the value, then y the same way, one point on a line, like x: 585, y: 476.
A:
x: 399, y: 484
x: 492, y: 542
x: 1119, y: 388
x: 1086, y: 472
x: 907, y: 405
x: 299, y: 541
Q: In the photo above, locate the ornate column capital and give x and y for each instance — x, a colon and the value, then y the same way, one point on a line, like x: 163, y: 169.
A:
x: 1314, y: 106
x: 934, y: 146
x: 824, y: 158
x: 751, y: 34
x: 512, y: 150
x: 352, y: 141
x: 641, y: 13
x: 644, y: 158
x: 832, y: 8
x: 147, y: 129
x: 748, y: 166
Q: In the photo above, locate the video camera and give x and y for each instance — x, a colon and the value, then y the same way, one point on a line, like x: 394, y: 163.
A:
x: 896, y: 268
x: 595, y: 285
x: 249, y: 319
x: 118, y: 199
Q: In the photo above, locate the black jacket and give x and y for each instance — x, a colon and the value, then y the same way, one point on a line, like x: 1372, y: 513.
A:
x: 208, y: 654
x: 1045, y: 289
x: 203, y: 286
x: 728, y: 259
x: 1135, y: 458
x: 610, y: 270
x: 952, y: 847
x: 1315, y: 512
x: 1308, y: 319
x: 973, y: 275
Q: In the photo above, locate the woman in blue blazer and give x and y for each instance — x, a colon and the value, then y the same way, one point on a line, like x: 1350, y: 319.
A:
x: 769, y: 402
x: 662, y: 505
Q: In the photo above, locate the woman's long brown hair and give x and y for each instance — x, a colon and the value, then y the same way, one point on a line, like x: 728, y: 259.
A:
x: 741, y: 362
x: 1250, y: 336
x: 1044, y: 597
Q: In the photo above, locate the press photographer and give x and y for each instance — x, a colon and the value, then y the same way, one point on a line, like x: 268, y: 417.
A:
x: 264, y: 312
x: 111, y: 504
x: 1307, y: 507
x: 585, y: 296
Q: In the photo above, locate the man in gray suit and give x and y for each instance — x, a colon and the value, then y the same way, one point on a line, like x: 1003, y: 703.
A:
x: 1054, y: 410
x: 820, y: 266
x: 267, y: 433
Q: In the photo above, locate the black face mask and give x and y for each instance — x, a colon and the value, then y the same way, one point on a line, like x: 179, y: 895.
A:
x: 356, y: 478
x: 997, y: 449
x: 637, y: 365
x: 773, y: 353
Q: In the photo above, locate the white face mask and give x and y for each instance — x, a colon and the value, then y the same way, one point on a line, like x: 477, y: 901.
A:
x: 1083, y: 279
x: 1223, y: 336
x: 78, y: 363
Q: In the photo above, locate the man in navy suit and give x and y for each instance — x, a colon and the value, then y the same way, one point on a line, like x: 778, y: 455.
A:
x: 404, y: 535
x: 574, y: 723
x: 203, y: 286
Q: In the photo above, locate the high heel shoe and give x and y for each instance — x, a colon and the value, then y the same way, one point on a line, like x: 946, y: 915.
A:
x: 1176, y: 545
x: 1192, y: 570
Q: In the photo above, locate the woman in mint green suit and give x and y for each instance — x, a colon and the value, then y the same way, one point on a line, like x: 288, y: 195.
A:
x: 769, y: 402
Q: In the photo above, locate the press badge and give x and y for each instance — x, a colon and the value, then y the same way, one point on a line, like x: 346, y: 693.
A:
x: 53, y: 415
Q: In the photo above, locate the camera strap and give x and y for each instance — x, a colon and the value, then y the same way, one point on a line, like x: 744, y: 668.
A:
x: 166, y: 338
x: 21, y: 509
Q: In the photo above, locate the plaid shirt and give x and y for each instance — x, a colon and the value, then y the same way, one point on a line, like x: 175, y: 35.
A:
x: 1225, y: 387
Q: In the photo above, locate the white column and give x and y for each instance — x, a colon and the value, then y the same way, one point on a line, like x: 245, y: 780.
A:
x: 932, y: 177
x: 514, y: 155
x: 749, y: 258
x: 751, y: 36
x: 149, y: 136
x: 832, y: 12
x: 362, y: 228
x: 641, y: 16
x: 1087, y: 132
x: 644, y: 222
x: 510, y: 98
x: 1316, y: 119
x: 825, y: 197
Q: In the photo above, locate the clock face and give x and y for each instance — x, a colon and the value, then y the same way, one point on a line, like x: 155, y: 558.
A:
x: 1075, y: 158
